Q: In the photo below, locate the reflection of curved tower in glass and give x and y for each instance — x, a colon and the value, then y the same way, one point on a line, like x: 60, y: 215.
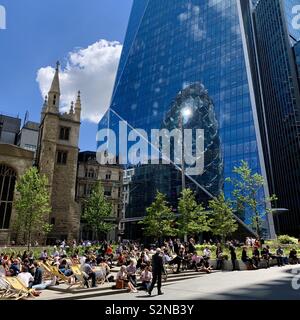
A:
x: 196, y: 98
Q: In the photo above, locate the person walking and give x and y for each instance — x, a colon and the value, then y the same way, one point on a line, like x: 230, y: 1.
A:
x: 157, y: 269
x: 219, y: 255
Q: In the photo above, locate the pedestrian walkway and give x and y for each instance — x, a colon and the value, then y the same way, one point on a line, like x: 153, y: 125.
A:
x: 62, y: 292
x: 263, y: 284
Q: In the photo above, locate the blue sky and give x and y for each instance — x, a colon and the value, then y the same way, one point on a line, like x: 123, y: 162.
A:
x: 41, y: 32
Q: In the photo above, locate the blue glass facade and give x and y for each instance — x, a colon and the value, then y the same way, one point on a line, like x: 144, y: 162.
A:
x: 171, y: 45
x: 276, y: 35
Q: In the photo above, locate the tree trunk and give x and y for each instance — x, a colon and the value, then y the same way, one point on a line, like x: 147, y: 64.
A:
x: 29, y: 240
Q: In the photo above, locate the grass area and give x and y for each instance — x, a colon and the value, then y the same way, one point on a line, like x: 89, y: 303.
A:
x: 37, y: 250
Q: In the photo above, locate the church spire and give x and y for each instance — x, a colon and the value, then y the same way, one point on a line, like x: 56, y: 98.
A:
x: 44, y: 109
x: 78, y: 107
x: 55, y: 87
x: 54, y: 93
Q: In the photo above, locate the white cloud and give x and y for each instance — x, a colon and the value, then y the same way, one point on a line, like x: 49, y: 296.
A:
x: 92, y: 71
x: 192, y: 16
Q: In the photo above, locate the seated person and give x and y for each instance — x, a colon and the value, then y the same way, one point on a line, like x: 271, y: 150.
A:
x: 178, y: 260
x: 121, y: 259
x: 248, y: 261
x: 207, y: 252
x: 90, y: 274
x: 256, y: 256
x: 131, y: 272
x: 25, y: 277
x: 14, y: 268
x: 109, y: 251
x: 122, y: 278
x: 280, y: 256
x: 44, y: 255
x: 141, y: 262
x: 166, y: 257
x: 38, y: 283
x: 146, y: 278
x: 265, y: 254
x: 293, y: 256
x: 64, y: 268
x: 206, y: 256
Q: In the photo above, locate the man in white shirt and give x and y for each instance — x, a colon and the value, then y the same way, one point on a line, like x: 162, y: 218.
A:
x: 207, y: 252
x: 25, y: 277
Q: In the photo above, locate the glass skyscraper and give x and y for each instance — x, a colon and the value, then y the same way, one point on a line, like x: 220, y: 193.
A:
x: 278, y: 56
x: 174, y: 48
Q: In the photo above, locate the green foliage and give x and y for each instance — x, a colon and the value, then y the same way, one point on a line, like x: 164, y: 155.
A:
x: 247, y: 188
x: 160, y: 218
x: 201, y: 247
x: 222, y: 222
x: 98, y: 211
x: 32, y: 206
x: 285, y: 239
x: 193, y: 218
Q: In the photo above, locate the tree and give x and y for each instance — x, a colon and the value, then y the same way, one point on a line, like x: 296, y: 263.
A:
x: 193, y: 218
x: 98, y: 211
x: 248, y: 188
x: 223, y: 222
x: 32, y: 205
x: 160, y: 218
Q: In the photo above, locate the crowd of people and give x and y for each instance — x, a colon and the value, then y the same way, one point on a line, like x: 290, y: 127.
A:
x: 136, y: 265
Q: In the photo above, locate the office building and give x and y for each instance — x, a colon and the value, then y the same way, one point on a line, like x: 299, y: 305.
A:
x: 197, y: 52
x: 111, y: 177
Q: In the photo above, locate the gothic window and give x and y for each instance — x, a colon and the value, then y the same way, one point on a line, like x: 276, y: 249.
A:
x: 64, y: 133
x: 91, y: 173
x: 108, y: 175
x: 62, y: 157
x: 7, y: 188
x: 54, y: 100
x: 87, y: 189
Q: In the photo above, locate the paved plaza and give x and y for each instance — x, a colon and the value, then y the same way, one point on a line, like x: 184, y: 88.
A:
x: 263, y: 284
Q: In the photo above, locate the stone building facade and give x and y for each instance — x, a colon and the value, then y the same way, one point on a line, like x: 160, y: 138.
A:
x: 111, y: 177
x: 14, y: 162
x: 57, y: 157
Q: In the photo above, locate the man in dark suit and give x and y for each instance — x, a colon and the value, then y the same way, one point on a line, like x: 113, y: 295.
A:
x: 157, y: 270
x: 192, y: 247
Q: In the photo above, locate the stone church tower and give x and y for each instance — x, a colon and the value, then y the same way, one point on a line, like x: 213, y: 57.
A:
x: 57, y: 158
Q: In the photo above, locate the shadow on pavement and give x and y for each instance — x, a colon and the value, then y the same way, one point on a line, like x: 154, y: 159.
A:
x: 280, y: 289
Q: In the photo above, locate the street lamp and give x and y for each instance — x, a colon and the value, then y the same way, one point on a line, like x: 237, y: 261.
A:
x: 185, y: 113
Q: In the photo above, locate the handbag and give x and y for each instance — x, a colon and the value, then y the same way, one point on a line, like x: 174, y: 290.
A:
x: 120, y: 284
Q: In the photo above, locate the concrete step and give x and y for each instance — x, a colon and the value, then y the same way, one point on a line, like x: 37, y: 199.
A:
x: 63, y: 293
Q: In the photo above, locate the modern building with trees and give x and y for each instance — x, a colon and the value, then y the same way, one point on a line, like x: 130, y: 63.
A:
x: 228, y: 49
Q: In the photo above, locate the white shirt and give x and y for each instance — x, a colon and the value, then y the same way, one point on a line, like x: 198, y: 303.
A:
x: 166, y: 258
x: 206, y: 252
x: 146, y: 276
x: 146, y: 258
x: 82, y: 260
x: 25, y: 277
